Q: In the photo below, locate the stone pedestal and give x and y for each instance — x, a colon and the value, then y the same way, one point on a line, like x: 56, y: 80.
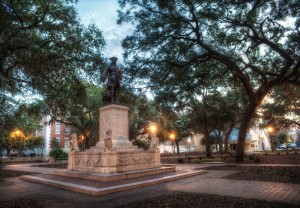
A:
x: 115, y: 117
x: 114, y: 162
x: 123, y: 156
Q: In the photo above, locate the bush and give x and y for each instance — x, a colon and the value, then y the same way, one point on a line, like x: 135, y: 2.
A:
x: 195, y: 160
x: 58, y: 154
x: 256, y: 159
x: 251, y: 157
x: 180, y: 160
x: 32, y: 154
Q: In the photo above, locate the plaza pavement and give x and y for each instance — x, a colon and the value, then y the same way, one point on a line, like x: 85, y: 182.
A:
x: 210, y: 183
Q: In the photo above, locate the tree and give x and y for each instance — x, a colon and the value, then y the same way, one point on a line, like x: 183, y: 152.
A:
x: 23, y: 125
x: 7, y: 121
x: 44, y: 48
x: 35, y: 142
x: 79, y: 110
x: 18, y: 139
x: 56, y: 152
x: 142, y: 112
x: 248, y: 39
x: 282, y: 109
x: 282, y: 138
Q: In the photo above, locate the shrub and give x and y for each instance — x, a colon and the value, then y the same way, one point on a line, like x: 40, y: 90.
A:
x: 180, y: 160
x: 278, y: 153
x: 195, y: 160
x: 32, y: 154
x: 58, y: 154
x: 256, y: 159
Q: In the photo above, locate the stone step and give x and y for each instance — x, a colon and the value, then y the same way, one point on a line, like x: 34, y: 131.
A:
x: 114, y: 176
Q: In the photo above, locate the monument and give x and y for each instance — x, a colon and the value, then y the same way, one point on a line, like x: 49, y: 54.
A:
x: 114, y: 157
x: 114, y: 153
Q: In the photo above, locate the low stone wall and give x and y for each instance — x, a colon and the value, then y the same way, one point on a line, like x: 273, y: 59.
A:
x: 24, y: 159
x: 264, y: 158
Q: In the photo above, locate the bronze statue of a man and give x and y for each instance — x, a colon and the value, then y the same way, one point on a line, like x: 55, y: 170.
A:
x: 113, y: 75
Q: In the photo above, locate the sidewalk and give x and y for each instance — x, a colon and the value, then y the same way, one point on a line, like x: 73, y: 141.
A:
x: 211, y: 183
x: 29, y: 167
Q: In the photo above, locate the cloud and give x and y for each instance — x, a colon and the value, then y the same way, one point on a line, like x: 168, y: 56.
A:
x: 104, y: 14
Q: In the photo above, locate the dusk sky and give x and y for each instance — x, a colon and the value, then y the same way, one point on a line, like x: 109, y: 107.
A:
x: 104, y: 14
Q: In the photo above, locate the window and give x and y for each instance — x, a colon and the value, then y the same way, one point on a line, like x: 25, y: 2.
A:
x: 58, y: 141
x: 67, y: 129
x: 67, y: 143
x: 57, y: 127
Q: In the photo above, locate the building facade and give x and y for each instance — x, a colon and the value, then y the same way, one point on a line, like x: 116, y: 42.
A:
x: 55, y: 129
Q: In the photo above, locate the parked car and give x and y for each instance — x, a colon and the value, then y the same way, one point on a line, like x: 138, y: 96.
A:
x: 291, y: 145
x: 281, y: 146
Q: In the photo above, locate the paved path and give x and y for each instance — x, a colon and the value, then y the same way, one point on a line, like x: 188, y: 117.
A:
x: 29, y: 167
x: 211, y: 183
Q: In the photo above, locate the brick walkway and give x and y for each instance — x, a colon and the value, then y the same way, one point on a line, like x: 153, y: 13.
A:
x: 211, y: 183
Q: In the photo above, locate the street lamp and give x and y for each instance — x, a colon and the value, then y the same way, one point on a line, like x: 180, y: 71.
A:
x: 153, y: 138
x: 172, y: 137
x: 18, y: 132
x: 270, y: 131
x: 189, y: 142
x: 153, y: 128
x: 261, y: 138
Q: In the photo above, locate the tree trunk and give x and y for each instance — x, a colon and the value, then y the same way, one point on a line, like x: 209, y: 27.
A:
x: 226, y: 139
x: 8, y: 152
x: 207, y: 138
x: 246, y: 119
x: 19, y: 150
x: 221, y: 147
x: 207, y: 144
x: 177, y: 146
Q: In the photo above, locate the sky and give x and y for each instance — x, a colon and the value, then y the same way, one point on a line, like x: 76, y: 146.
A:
x: 104, y: 14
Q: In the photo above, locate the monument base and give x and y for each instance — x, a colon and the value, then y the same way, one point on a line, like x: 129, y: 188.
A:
x: 114, y: 176
x: 113, y: 162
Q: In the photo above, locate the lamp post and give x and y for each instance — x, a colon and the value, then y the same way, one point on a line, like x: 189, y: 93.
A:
x: 270, y: 131
x: 189, y: 142
x: 83, y: 142
x: 172, y: 137
x: 261, y: 137
x: 154, y: 140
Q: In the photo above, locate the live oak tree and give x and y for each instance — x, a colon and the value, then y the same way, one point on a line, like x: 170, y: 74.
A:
x: 142, y: 113
x: 79, y: 109
x: 44, y: 48
x: 7, y: 109
x: 281, y: 112
x: 197, y: 94
x: 282, y: 109
x: 252, y: 41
